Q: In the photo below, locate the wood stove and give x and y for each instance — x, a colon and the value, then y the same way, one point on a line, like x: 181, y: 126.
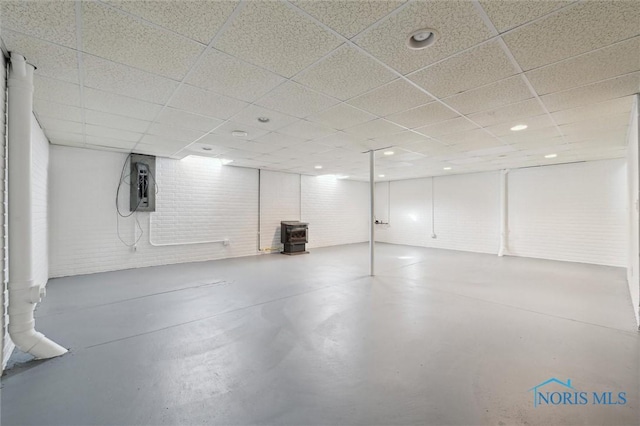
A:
x: 294, y: 235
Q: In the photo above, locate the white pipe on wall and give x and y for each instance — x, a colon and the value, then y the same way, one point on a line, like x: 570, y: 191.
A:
x: 504, y: 212
x: 24, y: 293
x: 372, y: 200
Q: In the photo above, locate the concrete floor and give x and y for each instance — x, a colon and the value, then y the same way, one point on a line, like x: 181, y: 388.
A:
x: 437, y: 337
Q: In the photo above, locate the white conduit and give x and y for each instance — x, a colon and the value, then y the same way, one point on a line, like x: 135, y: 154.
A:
x: 372, y: 195
x: 24, y: 293
x: 504, y: 213
x: 184, y: 243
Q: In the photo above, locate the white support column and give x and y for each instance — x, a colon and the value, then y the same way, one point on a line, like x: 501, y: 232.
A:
x: 504, y: 212
x: 24, y: 293
x: 372, y: 191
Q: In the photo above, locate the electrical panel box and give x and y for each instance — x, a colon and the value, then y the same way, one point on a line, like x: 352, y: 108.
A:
x: 143, y: 183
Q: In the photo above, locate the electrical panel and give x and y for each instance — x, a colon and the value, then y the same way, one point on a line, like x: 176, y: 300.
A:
x: 143, y: 183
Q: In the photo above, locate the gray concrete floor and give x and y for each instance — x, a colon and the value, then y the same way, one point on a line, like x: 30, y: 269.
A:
x: 437, y: 337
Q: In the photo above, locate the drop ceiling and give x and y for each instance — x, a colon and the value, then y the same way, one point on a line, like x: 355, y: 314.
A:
x: 335, y: 79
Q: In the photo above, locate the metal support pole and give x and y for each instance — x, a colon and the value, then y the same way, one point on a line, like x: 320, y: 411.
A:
x: 372, y: 236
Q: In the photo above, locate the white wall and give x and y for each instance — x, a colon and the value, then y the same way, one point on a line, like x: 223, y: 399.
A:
x: 337, y: 210
x: 465, y: 212
x: 572, y: 212
x: 39, y: 197
x: 279, y: 200
x: 6, y: 345
x: 633, y: 177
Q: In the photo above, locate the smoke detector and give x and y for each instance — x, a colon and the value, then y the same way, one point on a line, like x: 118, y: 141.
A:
x: 422, y: 39
x: 239, y: 134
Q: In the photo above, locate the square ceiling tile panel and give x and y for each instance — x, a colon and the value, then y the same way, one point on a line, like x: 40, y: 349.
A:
x: 348, y: 17
x: 341, y: 116
x: 307, y: 130
x: 612, y: 61
x: 54, y: 21
x: 49, y: 59
x: 586, y: 128
x: 224, y: 140
x: 469, y: 136
x: 199, y: 20
x: 58, y: 125
x: 594, y: 111
x: 345, y: 73
x: 253, y: 132
x: 401, y: 139
x: 388, y: 40
x: 49, y: 89
x: 105, y: 142
x: 279, y: 139
x: 344, y: 140
x: 177, y: 133
x: 187, y: 120
x: 294, y: 99
x: 55, y: 110
x: 509, y: 113
x: 127, y: 81
x: 108, y: 132
x: 492, y: 96
x: 479, y: 66
x: 121, y: 38
x: 374, y: 129
x: 115, y: 121
x: 598, y: 92
x: 422, y: 116
x: 533, y: 123
x: 533, y: 135
x: 458, y: 124
x: 275, y: 37
x: 275, y: 120
x: 200, y: 101
x: 507, y: 14
x: 391, y: 98
x: 68, y: 139
x: 574, y: 30
x: 230, y: 76
x: 119, y: 105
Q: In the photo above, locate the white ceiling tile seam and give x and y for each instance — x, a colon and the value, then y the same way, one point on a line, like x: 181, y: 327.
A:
x: 80, y: 68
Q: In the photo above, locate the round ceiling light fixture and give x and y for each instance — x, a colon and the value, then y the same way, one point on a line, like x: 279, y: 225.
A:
x: 519, y: 127
x: 239, y: 134
x: 389, y: 153
x: 551, y: 156
x: 446, y: 168
x: 380, y: 175
x: 263, y: 119
x: 422, y: 39
x: 318, y: 167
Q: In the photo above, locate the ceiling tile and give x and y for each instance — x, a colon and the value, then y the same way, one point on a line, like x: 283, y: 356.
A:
x: 533, y: 135
x: 507, y: 14
x: 593, y: 93
x: 586, y: 128
x: 55, y: 110
x: 307, y: 130
x: 294, y: 99
x: 374, y: 129
x: 49, y: 89
x: 224, y: 140
x: 341, y: 116
x: 199, y: 20
x: 594, y: 111
x: 612, y: 61
x: 54, y: 21
x: 251, y: 114
x: 49, y: 59
x: 172, y: 132
x: 106, y: 142
x: 127, y: 81
x: 169, y: 144
x: 200, y: 101
x: 230, y: 76
x: 106, y: 132
x: 533, y: 123
x: 279, y: 139
x: 63, y: 138
x: 470, y: 136
x: 253, y: 132
x: 309, y: 148
x: 110, y: 34
x: 206, y: 149
x: 509, y: 113
x: 348, y: 17
x: 584, y: 27
x: 58, y: 125
x: 115, y: 121
x: 422, y: 116
x: 473, y: 144
x: 476, y: 67
x: 119, y: 105
x: 458, y: 124
x: 388, y: 40
x: 274, y: 36
x: 187, y: 120
x: 390, y: 98
x: 344, y: 140
x: 345, y: 73
x: 491, y: 96
x: 403, y: 138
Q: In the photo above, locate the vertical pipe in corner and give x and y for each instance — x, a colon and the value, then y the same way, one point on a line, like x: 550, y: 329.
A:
x: 372, y: 234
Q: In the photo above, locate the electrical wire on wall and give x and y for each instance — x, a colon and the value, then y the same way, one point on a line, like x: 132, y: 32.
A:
x: 134, y: 212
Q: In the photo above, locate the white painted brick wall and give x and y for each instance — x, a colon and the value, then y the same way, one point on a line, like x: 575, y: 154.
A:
x: 466, y: 212
x: 573, y: 212
x: 337, y: 210
x: 279, y: 200
x: 198, y: 200
x: 633, y: 177
x: 39, y: 182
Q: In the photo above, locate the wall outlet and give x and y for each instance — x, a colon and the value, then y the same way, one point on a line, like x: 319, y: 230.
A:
x: 226, y: 242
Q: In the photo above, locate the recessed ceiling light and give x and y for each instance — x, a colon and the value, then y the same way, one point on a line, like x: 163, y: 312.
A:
x: 389, y: 153
x: 446, y: 168
x: 551, y: 156
x: 318, y: 167
x: 380, y: 175
x: 206, y: 148
x: 422, y: 38
x: 239, y: 133
x: 224, y: 161
x: 263, y: 119
x: 519, y: 127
